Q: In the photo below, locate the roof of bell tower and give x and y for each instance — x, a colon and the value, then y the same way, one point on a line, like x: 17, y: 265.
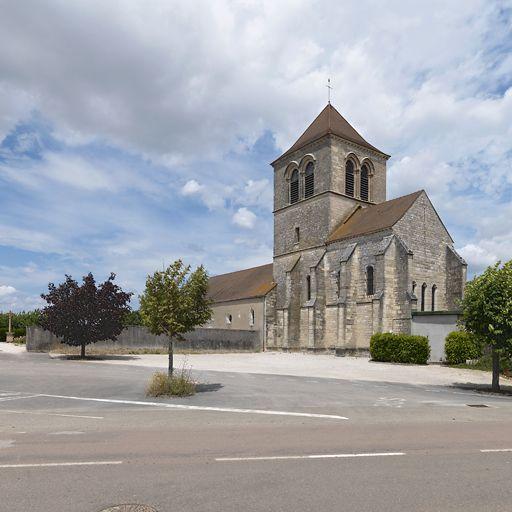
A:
x: 330, y: 121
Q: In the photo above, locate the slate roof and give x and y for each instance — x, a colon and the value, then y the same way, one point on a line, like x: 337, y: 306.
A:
x: 243, y: 284
x: 330, y: 121
x: 374, y: 218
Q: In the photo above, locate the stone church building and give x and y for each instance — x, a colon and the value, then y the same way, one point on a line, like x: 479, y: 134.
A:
x: 347, y: 262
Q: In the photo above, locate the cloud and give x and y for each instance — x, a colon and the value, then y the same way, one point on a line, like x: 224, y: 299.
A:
x: 244, y: 218
x: 6, y: 290
x: 191, y: 188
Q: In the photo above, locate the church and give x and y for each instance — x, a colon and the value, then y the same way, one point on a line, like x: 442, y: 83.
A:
x: 347, y: 262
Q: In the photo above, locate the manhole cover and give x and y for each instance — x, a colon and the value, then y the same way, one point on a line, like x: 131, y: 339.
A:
x: 133, y: 507
x: 477, y: 405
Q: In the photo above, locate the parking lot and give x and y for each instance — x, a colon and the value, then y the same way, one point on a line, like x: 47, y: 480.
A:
x: 82, y: 436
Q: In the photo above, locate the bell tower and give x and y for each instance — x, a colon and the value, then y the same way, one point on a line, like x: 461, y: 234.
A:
x: 328, y: 173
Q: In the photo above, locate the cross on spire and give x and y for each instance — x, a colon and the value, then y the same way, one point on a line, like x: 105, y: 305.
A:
x: 329, y: 87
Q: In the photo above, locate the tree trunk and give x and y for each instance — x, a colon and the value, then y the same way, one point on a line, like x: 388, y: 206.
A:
x: 495, y: 370
x: 82, y: 351
x: 171, y: 356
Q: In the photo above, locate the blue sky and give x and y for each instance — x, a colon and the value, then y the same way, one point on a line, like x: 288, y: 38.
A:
x: 131, y: 137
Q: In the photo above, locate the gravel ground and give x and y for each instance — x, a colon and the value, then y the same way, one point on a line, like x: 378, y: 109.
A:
x: 309, y: 365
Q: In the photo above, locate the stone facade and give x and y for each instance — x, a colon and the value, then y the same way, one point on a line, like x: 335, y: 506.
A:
x: 322, y: 300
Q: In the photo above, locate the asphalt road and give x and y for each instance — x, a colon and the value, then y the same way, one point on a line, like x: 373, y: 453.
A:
x: 78, y: 436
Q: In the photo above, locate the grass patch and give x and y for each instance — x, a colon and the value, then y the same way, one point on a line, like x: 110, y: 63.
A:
x: 180, y: 384
x: 484, y: 363
x: 20, y: 340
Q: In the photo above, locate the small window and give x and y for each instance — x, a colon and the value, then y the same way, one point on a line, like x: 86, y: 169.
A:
x: 308, y: 287
x: 413, y: 287
x: 369, y: 281
x: 338, y: 283
x: 434, y: 288
x: 294, y: 187
x: 229, y: 319
x: 423, y: 293
x: 251, y: 318
x: 297, y: 235
x: 365, y: 186
x: 349, y: 178
x: 309, y: 180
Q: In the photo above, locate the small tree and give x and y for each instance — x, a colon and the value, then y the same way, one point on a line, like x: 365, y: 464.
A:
x: 175, y: 302
x: 83, y: 314
x: 487, y: 312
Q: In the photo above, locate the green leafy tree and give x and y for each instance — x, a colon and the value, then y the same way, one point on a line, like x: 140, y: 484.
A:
x: 487, y: 312
x: 175, y: 302
x: 83, y: 314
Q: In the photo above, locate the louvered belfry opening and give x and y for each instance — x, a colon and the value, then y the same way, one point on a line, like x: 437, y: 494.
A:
x: 349, y: 178
x: 309, y: 180
x: 294, y: 186
x: 364, y: 183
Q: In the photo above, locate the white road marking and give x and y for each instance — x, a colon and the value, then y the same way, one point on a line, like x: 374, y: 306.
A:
x: 201, y: 408
x: 7, y: 443
x: 497, y: 450
x: 57, y: 464
x: 322, y: 456
x: 66, y: 433
x: 53, y: 414
x: 17, y: 398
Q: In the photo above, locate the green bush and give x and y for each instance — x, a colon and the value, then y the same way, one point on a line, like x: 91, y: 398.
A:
x: 180, y: 384
x: 399, y: 348
x: 461, y: 346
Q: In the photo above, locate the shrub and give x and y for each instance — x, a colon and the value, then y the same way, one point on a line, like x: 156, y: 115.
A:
x: 19, y: 340
x: 461, y: 346
x: 179, y: 384
x: 399, y: 348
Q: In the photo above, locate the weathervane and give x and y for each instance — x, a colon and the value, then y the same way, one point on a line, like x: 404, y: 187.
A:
x: 329, y: 87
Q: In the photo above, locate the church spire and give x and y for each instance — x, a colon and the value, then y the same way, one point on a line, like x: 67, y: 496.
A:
x: 330, y: 121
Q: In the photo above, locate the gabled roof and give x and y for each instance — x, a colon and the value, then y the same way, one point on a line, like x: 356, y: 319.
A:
x: 374, y: 218
x: 243, y: 284
x: 330, y: 121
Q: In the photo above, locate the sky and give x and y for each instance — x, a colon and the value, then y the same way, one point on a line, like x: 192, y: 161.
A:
x: 135, y: 133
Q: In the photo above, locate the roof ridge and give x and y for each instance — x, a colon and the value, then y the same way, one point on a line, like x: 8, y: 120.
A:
x: 241, y: 270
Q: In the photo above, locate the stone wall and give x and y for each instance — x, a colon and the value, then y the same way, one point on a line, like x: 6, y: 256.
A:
x: 136, y: 338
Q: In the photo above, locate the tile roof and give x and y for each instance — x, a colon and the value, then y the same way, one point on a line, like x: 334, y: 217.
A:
x: 330, y: 121
x: 374, y: 218
x: 243, y: 284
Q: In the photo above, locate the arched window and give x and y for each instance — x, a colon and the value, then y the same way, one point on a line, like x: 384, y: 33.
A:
x: 229, y: 319
x: 309, y: 180
x: 251, y: 318
x: 413, y: 287
x: 308, y: 287
x: 369, y: 281
x: 434, y: 288
x: 423, y: 292
x: 365, y: 185
x: 349, y: 178
x: 338, y: 283
x: 294, y: 186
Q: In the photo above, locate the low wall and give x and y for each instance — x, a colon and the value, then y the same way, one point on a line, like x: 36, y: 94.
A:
x: 435, y: 325
x: 136, y: 337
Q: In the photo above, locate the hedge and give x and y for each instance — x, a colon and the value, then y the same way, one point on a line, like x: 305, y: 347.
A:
x: 460, y: 346
x: 399, y: 348
x: 18, y: 332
